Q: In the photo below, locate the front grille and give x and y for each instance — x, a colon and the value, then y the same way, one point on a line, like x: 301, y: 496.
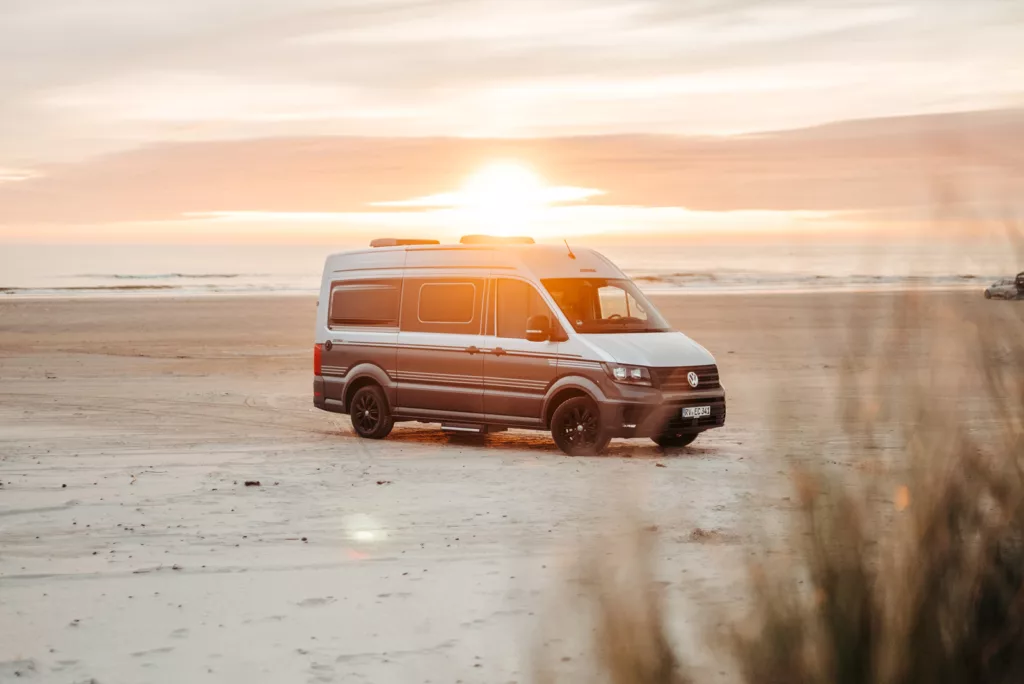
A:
x: 675, y: 379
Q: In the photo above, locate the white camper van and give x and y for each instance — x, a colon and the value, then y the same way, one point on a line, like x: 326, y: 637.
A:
x: 498, y: 333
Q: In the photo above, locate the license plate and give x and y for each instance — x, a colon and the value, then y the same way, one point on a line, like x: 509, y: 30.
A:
x: 696, y: 411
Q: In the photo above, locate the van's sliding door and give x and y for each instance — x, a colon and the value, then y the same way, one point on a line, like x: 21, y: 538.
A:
x: 440, y: 364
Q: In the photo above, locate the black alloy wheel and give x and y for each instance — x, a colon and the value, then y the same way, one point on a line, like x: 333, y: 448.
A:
x: 576, y: 427
x: 370, y: 414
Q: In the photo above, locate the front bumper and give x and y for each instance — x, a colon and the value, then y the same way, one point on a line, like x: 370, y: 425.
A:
x: 652, y: 419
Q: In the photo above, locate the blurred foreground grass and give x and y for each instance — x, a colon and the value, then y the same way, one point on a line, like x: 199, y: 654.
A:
x: 911, y: 573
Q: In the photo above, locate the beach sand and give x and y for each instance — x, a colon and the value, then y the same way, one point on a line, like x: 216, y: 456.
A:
x: 132, y: 550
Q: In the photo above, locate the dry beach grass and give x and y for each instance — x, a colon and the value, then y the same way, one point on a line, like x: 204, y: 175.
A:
x: 904, y: 565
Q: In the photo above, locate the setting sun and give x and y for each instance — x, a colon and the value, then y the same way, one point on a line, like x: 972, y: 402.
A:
x: 501, y: 198
x: 505, y: 196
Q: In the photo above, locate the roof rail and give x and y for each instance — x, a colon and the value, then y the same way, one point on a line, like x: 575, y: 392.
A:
x: 495, y: 240
x: 401, y: 242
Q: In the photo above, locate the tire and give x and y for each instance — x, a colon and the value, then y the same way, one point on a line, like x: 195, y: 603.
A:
x: 674, y: 441
x: 576, y: 427
x: 988, y: 295
x: 370, y: 413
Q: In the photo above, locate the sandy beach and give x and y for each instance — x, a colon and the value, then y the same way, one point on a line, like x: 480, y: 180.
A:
x: 132, y: 549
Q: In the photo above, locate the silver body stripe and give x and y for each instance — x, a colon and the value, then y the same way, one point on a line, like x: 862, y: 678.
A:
x: 333, y: 371
x: 582, y: 365
x: 442, y: 378
x: 563, y: 358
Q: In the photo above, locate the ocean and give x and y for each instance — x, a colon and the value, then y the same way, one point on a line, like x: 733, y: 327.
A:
x: 175, y: 270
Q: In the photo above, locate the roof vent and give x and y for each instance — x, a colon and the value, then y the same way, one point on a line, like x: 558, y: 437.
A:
x: 494, y: 240
x: 401, y: 242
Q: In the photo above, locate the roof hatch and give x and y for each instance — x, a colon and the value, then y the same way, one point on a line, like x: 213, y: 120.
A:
x: 401, y: 242
x: 495, y: 240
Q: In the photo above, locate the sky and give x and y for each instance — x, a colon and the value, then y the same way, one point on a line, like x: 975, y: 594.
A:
x: 298, y: 120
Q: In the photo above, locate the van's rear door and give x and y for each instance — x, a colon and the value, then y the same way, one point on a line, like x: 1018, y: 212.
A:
x: 362, y: 330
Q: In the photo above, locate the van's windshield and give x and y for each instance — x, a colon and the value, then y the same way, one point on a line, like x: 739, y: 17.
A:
x: 601, y: 305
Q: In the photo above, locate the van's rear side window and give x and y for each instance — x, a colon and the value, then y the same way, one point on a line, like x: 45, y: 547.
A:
x: 359, y: 303
x: 447, y: 302
x: 444, y: 306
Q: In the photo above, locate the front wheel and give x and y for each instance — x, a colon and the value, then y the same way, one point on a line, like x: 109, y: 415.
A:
x: 576, y: 427
x: 674, y: 441
x: 370, y: 413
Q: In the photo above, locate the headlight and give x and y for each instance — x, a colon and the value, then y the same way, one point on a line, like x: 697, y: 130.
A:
x: 628, y: 375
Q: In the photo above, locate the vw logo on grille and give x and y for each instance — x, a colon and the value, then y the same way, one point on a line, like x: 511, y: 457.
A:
x: 692, y: 378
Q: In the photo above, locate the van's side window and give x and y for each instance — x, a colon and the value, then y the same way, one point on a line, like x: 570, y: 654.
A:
x: 359, y: 303
x: 449, y: 305
x: 517, y: 301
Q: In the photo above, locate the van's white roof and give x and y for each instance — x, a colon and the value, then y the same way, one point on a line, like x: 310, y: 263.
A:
x: 543, y: 261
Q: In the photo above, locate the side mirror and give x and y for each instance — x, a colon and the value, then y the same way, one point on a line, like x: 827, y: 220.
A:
x: 538, y: 328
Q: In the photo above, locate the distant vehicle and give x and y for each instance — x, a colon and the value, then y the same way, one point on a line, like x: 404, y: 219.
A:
x: 498, y: 333
x: 1007, y: 288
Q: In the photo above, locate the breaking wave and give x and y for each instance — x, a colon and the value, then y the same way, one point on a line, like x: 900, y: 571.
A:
x: 655, y: 281
x: 170, y: 276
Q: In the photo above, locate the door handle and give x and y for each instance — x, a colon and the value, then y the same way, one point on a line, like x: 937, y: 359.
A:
x: 473, y: 350
x: 498, y: 351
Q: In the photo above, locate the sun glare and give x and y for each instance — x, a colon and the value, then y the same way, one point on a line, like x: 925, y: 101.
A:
x: 506, y: 196
x: 502, y: 198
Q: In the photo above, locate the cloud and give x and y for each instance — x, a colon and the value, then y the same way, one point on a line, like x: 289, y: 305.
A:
x: 561, y: 221
x: 16, y: 175
x: 871, y: 165
x: 87, y: 77
x: 608, y: 24
x: 197, y: 98
x: 547, y: 196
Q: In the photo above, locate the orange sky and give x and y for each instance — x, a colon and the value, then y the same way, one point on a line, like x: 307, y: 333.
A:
x: 299, y: 120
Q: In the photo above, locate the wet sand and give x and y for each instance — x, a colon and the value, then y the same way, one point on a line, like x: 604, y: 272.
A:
x: 132, y: 550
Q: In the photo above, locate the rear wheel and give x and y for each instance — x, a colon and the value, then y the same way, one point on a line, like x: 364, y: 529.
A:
x: 576, y: 427
x: 370, y: 413
x: 674, y: 441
